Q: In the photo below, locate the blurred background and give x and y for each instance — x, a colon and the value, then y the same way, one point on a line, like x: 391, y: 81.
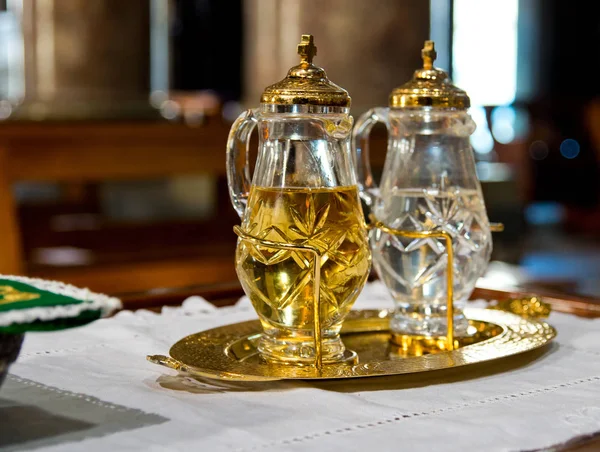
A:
x: 114, y: 116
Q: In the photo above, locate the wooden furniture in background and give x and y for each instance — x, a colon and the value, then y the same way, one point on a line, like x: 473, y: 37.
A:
x: 88, y: 151
x: 10, y: 241
x: 76, y: 151
x: 81, y: 152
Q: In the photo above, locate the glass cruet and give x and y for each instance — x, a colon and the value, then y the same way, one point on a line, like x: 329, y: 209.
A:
x: 303, y: 193
x: 428, y: 183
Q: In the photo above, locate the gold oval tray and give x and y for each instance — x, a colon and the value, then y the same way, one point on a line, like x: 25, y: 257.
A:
x: 229, y: 352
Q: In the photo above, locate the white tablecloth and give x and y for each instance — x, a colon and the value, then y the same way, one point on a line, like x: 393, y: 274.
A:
x: 92, y: 389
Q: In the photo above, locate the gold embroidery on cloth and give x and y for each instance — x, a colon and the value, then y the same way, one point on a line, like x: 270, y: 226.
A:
x: 9, y: 294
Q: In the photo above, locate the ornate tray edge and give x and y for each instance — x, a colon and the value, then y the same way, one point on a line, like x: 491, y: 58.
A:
x: 519, y: 335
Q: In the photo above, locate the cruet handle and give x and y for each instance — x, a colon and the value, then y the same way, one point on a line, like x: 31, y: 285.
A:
x: 360, y: 138
x: 238, y: 168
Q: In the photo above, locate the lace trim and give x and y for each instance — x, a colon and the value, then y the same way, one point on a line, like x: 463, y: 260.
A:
x: 87, y: 398
x: 91, y: 302
x: 57, y: 351
x: 402, y: 417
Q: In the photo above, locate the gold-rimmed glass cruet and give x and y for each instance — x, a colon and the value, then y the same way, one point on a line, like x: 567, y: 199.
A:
x: 429, y: 192
x: 302, y: 255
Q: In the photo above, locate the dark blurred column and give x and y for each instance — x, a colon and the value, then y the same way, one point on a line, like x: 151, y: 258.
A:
x: 86, y: 58
x: 367, y: 47
x: 206, y: 42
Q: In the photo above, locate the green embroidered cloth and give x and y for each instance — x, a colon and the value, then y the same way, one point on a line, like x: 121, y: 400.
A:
x: 30, y: 304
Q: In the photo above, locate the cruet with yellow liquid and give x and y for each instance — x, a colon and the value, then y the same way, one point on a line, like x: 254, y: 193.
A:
x: 303, y: 254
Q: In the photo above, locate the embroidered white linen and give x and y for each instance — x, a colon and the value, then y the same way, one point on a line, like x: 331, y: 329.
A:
x: 521, y: 403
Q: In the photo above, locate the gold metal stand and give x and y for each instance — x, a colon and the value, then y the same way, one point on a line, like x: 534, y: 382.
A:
x: 230, y: 352
x: 375, y: 223
x: 494, y: 227
x: 316, y: 283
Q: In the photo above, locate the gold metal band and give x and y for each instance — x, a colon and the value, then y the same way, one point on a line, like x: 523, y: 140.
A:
x: 375, y: 223
x: 316, y: 283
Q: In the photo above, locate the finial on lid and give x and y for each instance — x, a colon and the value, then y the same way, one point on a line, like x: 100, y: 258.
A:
x: 307, y: 49
x: 428, y: 54
x: 306, y: 84
x: 429, y: 87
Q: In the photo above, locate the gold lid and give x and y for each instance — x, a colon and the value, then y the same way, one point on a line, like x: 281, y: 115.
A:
x: 429, y: 87
x: 306, y: 84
